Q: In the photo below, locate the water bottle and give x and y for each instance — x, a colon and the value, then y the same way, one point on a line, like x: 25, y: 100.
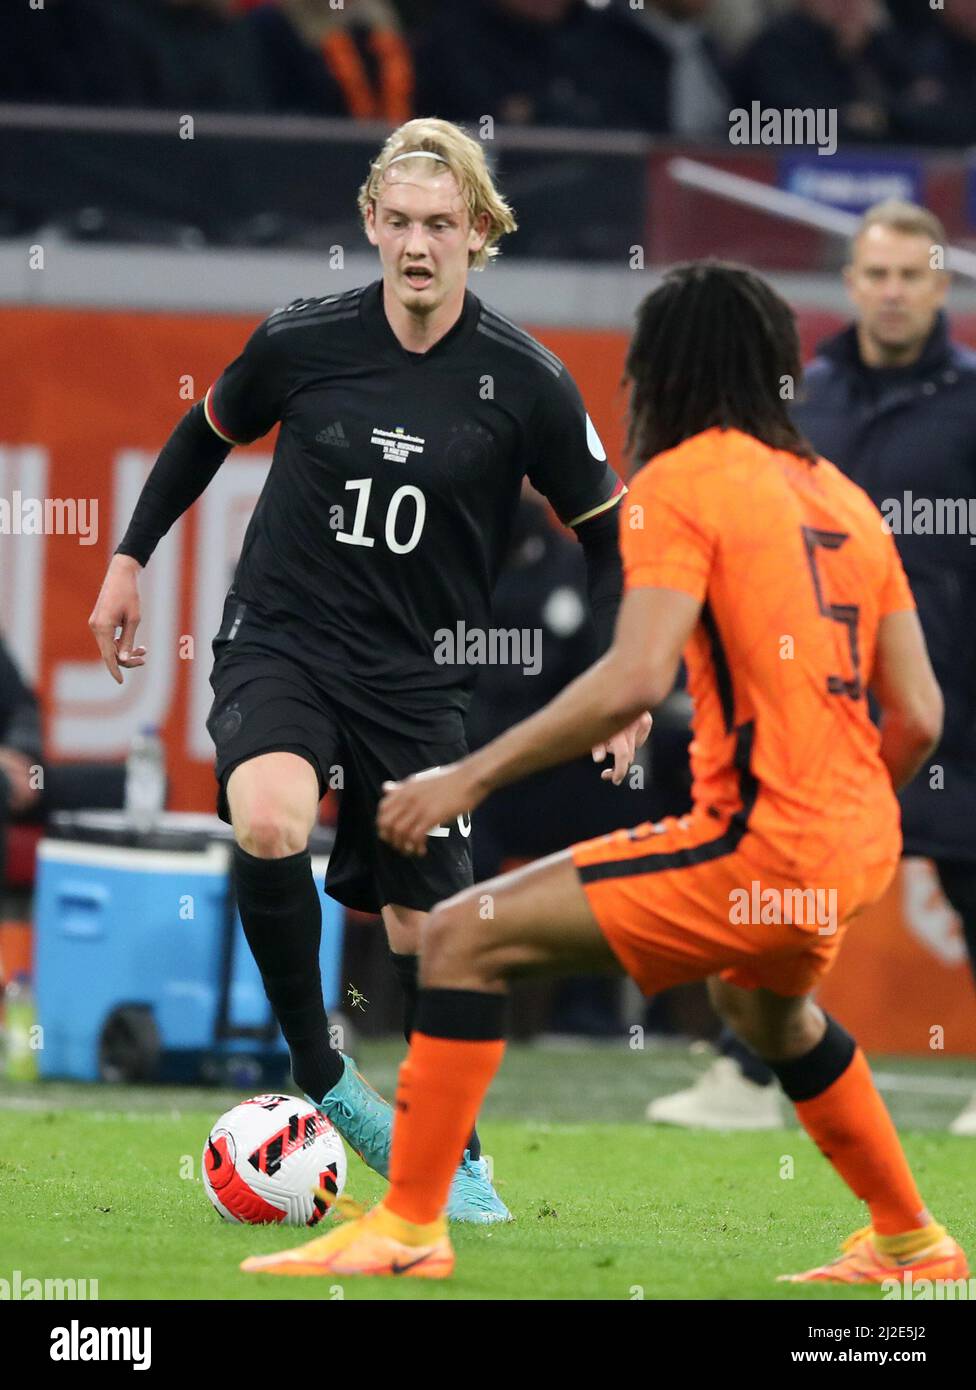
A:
x: 21, y: 1058
x: 145, y: 778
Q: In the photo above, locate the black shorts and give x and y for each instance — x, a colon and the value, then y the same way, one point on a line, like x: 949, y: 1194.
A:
x: 267, y: 701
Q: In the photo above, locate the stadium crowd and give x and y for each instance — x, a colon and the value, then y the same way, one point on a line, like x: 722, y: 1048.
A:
x: 896, y: 71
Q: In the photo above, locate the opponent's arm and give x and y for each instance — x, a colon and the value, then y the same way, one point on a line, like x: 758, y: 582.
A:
x: 568, y: 464
x: 599, y: 537
x: 636, y: 674
x: 905, y: 687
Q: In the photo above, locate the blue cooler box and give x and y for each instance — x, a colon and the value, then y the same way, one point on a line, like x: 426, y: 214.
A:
x: 140, y: 953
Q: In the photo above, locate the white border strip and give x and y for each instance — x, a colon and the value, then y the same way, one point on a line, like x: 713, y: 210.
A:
x: 561, y: 294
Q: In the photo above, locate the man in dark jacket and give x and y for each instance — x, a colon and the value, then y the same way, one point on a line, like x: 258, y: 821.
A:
x: 892, y: 401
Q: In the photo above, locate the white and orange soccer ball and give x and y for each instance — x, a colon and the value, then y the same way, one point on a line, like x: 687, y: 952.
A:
x: 270, y: 1159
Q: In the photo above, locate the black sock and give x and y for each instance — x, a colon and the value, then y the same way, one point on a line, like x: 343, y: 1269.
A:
x: 808, y: 1076
x: 282, y: 919
x: 405, y: 969
x: 751, y: 1066
x: 471, y: 1015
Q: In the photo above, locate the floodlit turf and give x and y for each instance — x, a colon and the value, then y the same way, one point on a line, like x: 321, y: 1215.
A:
x: 109, y: 1189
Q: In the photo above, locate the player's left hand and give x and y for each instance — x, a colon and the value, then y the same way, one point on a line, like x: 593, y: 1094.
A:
x: 412, y: 808
x: 622, y: 748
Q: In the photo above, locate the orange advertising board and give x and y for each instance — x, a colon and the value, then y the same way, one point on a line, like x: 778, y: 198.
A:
x: 902, y: 982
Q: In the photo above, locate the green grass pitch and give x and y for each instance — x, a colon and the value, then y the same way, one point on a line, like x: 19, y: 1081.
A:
x: 104, y: 1183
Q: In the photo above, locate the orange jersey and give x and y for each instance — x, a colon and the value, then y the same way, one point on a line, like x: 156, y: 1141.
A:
x: 795, y: 569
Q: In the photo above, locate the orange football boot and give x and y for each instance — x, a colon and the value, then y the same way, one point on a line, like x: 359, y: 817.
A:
x: 375, y: 1242
x: 863, y: 1263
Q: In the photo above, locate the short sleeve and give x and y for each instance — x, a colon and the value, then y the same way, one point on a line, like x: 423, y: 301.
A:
x: 246, y: 399
x: 896, y: 593
x: 566, y: 462
x: 663, y: 543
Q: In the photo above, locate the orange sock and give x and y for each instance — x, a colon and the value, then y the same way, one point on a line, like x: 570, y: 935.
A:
x: 853, y: 1130
x: 442, y: 1084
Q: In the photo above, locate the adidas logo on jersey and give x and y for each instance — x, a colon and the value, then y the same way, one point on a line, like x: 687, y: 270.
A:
x: 333, y: 434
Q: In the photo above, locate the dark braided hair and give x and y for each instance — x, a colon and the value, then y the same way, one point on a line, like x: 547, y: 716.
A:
x: 711, y: 347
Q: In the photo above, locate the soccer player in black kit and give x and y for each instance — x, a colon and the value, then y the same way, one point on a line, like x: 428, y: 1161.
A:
x: 409, y: 414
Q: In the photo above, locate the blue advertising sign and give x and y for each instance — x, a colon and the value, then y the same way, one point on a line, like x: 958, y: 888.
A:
x: 851, y: 182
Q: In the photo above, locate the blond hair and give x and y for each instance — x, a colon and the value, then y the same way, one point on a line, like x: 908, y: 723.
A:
x: 465, y: 158
x: 911, y: 219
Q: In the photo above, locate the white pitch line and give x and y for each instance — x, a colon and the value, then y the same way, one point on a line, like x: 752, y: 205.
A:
x: 950, y: 1087
x: 932, y: 1085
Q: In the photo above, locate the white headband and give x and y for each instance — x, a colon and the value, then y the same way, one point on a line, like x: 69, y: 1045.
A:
x: 417, y: 154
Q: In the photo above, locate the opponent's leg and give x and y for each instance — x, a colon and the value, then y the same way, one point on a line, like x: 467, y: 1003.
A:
x: 403, y: 929
x: 273, y: 800
x: 826, y: 1076
x: 472, y: 1196
x: 533, y: 919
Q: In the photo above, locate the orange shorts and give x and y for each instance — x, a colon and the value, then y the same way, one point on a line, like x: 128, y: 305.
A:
x: 690, y: 897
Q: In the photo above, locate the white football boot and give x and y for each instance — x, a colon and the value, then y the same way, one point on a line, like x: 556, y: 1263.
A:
x: 721, y: 1098
x: 965, y: 1122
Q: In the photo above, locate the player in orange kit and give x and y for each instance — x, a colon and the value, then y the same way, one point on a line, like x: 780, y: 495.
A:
x: 774, y: 576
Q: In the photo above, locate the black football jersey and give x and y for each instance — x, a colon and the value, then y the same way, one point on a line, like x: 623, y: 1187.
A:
x: 386, y: 512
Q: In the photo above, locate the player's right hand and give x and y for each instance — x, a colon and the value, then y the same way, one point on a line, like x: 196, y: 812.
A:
x: 117, y: 606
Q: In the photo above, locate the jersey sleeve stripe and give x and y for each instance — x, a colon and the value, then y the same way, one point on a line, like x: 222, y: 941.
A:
x: 527, y: 348
x: 212, y: 420
x: 611, y: 501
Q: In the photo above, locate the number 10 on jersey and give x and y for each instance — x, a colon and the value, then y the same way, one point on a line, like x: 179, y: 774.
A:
x: 358, y: 536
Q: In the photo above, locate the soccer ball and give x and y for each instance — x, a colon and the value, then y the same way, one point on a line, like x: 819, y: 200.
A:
x: 264, y: 1159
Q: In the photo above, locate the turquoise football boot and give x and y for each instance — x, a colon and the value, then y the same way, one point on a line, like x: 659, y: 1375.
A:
x: 472, y: 1197
x: 365, y: 1121
x: 362, y: 1117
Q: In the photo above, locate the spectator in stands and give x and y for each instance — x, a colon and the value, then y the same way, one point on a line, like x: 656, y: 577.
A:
x: 205, y: 58
x: 74, y: 52
x: 20, y: 747
x: 656, y: 69
x: 184, y: 55
x: 323, y: 61
x: 509, y: 59
x: 841, y: 55
x: 892, y: 401
x: 938, y: 107
x: 735, y: 23
x: 560, y: 62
